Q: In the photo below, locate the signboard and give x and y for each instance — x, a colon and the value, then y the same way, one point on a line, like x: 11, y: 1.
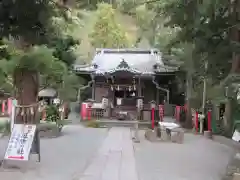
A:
x: 20, y: 142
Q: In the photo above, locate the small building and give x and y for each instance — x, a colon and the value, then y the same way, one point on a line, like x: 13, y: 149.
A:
x: 122, y: 75
x: 48, y: 95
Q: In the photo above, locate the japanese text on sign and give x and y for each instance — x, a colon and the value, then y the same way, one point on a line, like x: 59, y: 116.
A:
x: 20, y: 142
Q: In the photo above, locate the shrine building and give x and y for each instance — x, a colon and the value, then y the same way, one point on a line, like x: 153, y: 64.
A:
x: 122, y: 75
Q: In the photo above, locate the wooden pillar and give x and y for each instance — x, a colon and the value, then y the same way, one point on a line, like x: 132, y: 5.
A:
x: 139, y: 86
x: 93, y: 87
x: 157, y: 97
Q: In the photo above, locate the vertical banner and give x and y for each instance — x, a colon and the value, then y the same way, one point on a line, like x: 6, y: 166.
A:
x: 196, y: 121
x: 209, y: 120
x: 153, y: 118
x: 9, y: 105
x: 177, y: 113
x: 161, y: 112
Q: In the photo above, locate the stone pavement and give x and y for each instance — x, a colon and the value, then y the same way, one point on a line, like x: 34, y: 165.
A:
x: 115, y: 159
x: 63, y: 158
x: 197, y: 159
x: 98, y: 154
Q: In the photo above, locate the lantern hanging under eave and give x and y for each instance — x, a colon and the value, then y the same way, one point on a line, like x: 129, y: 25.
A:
x: 134, y: 81
x: 112, y: 88
x: 118, y: 88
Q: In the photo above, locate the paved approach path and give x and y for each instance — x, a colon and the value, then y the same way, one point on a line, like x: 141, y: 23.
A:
x: 115, y: 159
x: 99, y: 154
x: 197, y: 158
x: 62, y: 158
x: 121, y: 159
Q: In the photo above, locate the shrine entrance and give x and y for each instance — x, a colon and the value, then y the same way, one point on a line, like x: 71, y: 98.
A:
x: 124, y: 96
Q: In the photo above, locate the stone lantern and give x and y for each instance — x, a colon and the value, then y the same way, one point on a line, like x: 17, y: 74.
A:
x: 152, y: 104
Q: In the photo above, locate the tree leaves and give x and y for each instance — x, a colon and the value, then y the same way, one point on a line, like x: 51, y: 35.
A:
x: 107, y: 33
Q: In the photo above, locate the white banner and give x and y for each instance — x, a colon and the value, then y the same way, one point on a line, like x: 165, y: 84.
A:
x: 20, y: 142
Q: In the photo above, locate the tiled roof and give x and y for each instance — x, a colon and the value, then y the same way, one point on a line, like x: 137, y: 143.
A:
x: 136, y: 61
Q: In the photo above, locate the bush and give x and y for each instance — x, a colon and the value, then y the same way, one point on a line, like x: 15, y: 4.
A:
x: 128, y: 6
x: 93, y: 124
x: 52, y: 113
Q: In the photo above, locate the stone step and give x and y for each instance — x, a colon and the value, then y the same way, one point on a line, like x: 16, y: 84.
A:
x: 117, y: 123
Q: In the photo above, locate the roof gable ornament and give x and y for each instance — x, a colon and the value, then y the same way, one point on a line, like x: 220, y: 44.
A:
x: 123, y: 64
x: 95, y: 66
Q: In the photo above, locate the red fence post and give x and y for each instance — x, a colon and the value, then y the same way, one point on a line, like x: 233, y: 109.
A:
x: 209, y: 121
x: 153, y: 112
x: 196, y: 123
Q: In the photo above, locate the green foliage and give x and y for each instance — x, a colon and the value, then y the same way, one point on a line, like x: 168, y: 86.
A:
x: 93, y: 124
x: 206, y: 26
x: 107, y: 33
x: 31, y: 24
x: 69, y: 89
x: 27, y: 19
x: 52, y: 113
x: 63, y: 51
x: 190, y: 33
x: 127, y: 6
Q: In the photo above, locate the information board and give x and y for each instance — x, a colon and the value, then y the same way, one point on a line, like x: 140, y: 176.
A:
x: 20, y: 142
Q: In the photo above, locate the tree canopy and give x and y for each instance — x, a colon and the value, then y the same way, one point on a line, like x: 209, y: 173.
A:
x: 107, y: 33
x: 36, y: 36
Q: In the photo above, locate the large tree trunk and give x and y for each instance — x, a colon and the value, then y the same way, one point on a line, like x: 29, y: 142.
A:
x: 235, y: 36
x: 189, y: 123
x: 27, y: 84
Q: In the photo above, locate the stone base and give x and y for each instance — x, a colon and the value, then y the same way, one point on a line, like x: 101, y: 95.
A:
x: 208, y: 134
x: 151, y: 135
x: 48, y: 130
x: 236, y: 176
x: 177, y: 136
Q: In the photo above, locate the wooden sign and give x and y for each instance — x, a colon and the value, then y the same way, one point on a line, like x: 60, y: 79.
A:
x: 20, y: 142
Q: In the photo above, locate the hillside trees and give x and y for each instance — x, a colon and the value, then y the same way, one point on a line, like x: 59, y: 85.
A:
x: 206, y: 25
x: 107, y: 33
x: 203, y: 28
x: 27, y: 29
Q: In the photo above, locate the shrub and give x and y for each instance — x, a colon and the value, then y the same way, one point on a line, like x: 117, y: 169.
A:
x: 93, y: 124
x: 52, y: 113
